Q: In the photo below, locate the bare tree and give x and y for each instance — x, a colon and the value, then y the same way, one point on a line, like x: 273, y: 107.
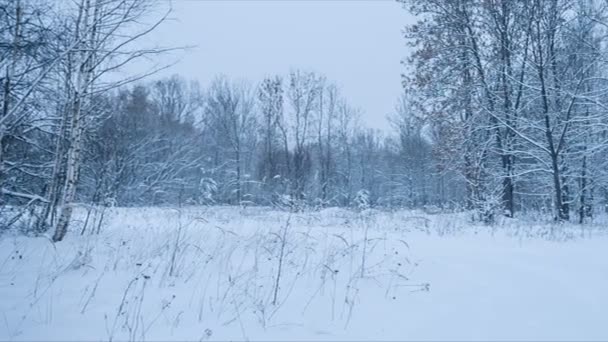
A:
x: 302, y: 93
x: 326, y: 122
x: 231, y: 113
x: 270, y: 99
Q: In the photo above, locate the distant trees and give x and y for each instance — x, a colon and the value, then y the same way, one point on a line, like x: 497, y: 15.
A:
x: 232, y: 144
x: 170, y: 142
x: 416, y: 166
x: 140, y: 154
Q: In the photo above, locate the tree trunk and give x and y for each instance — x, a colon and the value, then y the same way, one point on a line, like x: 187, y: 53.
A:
x: 73, y: 164
x: 83, y: 78
x: 237, y: 156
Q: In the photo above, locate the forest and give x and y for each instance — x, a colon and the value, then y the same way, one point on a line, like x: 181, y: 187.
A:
x: 140, y: 203
x: 502, y: 111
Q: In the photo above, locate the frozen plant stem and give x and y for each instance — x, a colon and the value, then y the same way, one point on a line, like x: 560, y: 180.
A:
x: 365, y: 221
x: 281, y: 255
x: 175, y: 248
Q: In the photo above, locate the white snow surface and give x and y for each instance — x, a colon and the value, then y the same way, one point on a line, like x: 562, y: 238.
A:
x: 210, y: 273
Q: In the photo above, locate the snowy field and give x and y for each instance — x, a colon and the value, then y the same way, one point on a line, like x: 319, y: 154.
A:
x: 221, y: 273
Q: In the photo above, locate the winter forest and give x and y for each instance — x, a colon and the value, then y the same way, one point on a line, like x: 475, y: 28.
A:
x: 152, y: 205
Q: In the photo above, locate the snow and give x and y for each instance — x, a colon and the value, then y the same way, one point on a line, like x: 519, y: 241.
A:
x: 209, y: 273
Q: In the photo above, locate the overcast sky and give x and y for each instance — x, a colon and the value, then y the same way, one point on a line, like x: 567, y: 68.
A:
x: 358, y: 44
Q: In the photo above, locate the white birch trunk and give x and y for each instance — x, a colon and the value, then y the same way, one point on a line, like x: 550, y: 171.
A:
x: 80, y: 96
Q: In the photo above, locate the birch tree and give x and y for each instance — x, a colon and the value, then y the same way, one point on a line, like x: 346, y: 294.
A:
x: 98, y: 32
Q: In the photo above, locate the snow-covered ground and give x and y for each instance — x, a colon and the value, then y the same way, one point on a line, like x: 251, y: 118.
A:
x: 218, y: 273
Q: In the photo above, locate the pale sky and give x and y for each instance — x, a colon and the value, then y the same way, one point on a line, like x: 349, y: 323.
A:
x: 356, y: 43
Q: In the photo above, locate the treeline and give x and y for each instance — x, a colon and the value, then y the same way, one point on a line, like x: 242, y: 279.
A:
x: 287, y: 141
x: 290, y: 140
x: 515, y: 93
